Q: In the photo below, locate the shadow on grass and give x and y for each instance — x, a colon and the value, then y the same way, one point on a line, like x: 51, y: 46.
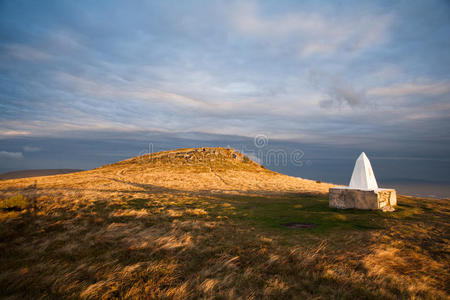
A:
x: 272, y: 211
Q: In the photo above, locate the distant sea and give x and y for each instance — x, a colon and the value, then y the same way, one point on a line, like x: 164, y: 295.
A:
x: 404, y: 175
x: 421, y: 189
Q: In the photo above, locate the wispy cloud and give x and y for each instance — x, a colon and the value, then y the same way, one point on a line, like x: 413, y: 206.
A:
x: 408, y: 89
x: 31, y: 148
x: 11, y: 133
x: 25, y: 52
x: 11, y: 155
x: 337, y: 92
x: 124, y: 91
x: 313, y: 32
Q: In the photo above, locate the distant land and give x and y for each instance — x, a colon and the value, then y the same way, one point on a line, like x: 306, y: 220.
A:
x: 35, y: 173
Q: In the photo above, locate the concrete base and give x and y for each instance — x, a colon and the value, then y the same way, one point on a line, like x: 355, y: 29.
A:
x: 345, y: 197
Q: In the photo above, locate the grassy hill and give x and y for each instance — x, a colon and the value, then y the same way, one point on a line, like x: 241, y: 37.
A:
x: 210, y: 223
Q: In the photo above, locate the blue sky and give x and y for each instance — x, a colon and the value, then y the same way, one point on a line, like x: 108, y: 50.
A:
x: 370, y: 75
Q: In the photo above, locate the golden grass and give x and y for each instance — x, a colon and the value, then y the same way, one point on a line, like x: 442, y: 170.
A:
x: 170, y: 229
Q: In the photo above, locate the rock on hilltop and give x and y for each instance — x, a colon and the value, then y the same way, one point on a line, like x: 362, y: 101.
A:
x: 195, y: 158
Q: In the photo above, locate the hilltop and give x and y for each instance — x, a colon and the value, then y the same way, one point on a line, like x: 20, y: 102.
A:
x: 211, y: 223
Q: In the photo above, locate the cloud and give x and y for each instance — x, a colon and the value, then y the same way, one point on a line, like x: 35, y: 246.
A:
x: 11, y: 155
x: 31, y: 149
x: 314, y: 33
x: 338, y: 92
x: 10, y: 133
x: 408, y: 89
x: 25, y: 52
x: 126, y: 90
x: 248, y: 20
x: 342, y: 94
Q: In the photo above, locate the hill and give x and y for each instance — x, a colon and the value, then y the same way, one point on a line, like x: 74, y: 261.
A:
x: 200, y: 170
x: 210, y: 223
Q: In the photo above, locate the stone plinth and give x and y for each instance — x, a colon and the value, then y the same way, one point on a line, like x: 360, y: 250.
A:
x: 345, y: 197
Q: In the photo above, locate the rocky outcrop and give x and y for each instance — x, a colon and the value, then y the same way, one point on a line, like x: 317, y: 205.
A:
x: 204, y: 156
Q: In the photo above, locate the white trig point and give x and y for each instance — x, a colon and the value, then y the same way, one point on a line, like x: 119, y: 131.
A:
x: 363, y: 177
x: 363, y: 191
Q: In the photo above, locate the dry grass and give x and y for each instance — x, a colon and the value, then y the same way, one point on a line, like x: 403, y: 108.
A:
x: 210, y: 228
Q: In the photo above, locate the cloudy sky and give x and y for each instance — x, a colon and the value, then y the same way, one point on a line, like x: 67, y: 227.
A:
x: 366, y: 75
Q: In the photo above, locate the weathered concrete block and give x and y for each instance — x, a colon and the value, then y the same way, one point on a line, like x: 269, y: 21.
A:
x: 345, y: 197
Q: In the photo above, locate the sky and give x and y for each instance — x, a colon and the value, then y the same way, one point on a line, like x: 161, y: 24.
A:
x: 89, y: 82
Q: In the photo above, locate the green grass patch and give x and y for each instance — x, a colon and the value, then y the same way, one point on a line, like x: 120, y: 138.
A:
x: 272, y: 212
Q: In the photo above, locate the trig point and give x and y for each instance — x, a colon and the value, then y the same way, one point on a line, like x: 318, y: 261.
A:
x: 363, y: 191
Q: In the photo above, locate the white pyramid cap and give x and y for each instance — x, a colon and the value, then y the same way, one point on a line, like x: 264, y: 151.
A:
x: 363, y: 177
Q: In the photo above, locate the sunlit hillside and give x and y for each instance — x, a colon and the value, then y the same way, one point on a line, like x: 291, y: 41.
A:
x: 210, y: 223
